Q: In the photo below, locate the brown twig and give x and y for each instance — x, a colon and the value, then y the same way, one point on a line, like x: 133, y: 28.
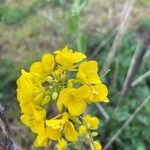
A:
x: 126, y: 13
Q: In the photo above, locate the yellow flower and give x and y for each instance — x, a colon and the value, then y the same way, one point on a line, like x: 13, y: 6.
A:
x: 28, y: 88
x: 99, y: 93
x: 70, y: 132
x: 53, y: 134
x: 73, y: 100
x: 96, y: 146
x: 62, y: 144
x: 33, y: 117
x: 41, y: 140
x: 82, y: 130
x: 57, y: 125
x: 43, y: 68
x: 36, y: 126
x: 91, y: 122
x: 88, y: 73
x: 47, y: 84
x: 56, y: 122
x: 67, y: 58
x: 36, y: 111
x: 58, y: 73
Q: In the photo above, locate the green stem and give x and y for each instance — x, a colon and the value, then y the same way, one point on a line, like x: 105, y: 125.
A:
x: 89, y: 132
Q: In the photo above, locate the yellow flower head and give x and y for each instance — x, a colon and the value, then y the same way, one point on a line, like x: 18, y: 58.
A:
x: 66, y: 58
x: 57, y: 122
x: 27, y: 90
x: 88, y: 73
x: 43, y: 68
x: 72, y: 100
x: 35, y: 126
x: 82, y: 130
x: 99, y: 93
x: 41, y: 140
x: 62, y: 125
x: 96, y: 146
x: 62, y: 144
x: 68, y: 82
x: 70, y: 132
x: 53, y: 134
x: 92, y: 122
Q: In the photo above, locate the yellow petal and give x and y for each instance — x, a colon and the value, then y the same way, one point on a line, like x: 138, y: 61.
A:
x: 53, y: 134
x: 48, y: 59
x: 41, y: 140
x: 65, y: 95
x: 62, y: 144
x: 37, y: 69
x: 70, y: 132
x: 59, y: 105
x: 88, y: 73
x: 67, y: 58
x: 48, y: 63
x: 96, y: 146
x: 55, y: 123
x: 73, y: 100
x: 25, y: 89
x: 85, y: 92
x: 78, y: 56
x: 92, y: 122
x: 82, y: 130
x: 30, y: 122
x: 99, y: 93
x: 76, y: 107
x: 26, y: 120
x: 39, y: 114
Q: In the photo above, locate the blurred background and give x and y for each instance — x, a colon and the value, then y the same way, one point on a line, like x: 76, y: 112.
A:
x: 116, y: 33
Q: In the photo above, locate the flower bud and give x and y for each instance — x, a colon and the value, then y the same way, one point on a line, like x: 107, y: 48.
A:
x: 82, y: 130
x: 54, y: 95
x: 63, y: 77
x: 56, y: 81
x: 50, y: 87
x: 94, y: 134
x: 49, y: 79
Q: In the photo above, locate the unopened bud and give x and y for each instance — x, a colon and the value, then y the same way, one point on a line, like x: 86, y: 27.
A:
x: 63, y: 77
x: 54, y: 95
x: 50, y: 87
x: 49, y: 79
x: 94, y: 134
x: 56, y: 81
x: 82, y: 130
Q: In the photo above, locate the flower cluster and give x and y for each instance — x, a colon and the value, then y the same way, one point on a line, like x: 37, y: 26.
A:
x: 69, y: 81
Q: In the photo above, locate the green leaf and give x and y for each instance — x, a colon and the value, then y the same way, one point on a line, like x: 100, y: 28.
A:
x: 73, y: 24
x: 78, y: 6
x: 82, y: 43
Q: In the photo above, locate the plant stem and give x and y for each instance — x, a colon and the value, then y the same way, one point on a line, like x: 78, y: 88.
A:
x: 89, y: 132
